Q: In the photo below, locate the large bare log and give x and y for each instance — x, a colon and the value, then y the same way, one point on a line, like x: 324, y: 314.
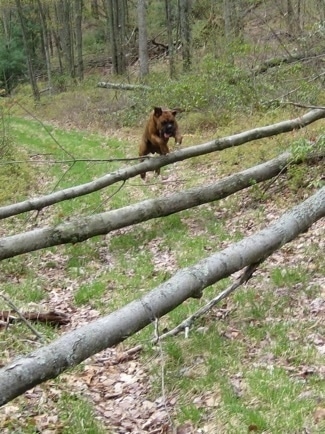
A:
x: 122, y: 86
x: 106, y: 222
x: 74, y: 347
x: 155, y: 163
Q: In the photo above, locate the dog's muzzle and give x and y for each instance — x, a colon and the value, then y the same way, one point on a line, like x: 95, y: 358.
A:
x: 168, y: 131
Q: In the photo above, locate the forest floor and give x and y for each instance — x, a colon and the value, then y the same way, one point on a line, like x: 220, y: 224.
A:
x: 255, y: 363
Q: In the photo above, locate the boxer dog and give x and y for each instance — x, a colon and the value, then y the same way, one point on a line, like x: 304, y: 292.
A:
x: 161, y: 126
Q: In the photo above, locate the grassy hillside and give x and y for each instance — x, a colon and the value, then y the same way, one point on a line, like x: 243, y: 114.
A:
x: 252, y: 363
x: 255, y: 362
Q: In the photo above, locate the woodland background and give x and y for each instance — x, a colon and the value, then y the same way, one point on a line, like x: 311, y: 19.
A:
x: 77, y: 82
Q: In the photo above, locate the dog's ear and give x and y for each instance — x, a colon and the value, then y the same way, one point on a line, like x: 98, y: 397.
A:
x: 176, y: 110
x: 157, y: 111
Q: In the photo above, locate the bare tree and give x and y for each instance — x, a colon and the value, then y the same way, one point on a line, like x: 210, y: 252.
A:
x: 78, y: 6
x: 172, y: 70
x: 232, y: 20
x: 94, y: 8
x: 116, y: 10
x: 46, y: 42
x: 320, y: 6
x: 74, y: 347
x: 143, y: 39
x: 185, y: 27
x: 63, y: 10
x: 29, y: 57
x: 292, y: 18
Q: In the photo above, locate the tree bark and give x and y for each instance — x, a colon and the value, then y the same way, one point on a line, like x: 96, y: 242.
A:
x: 171, y: 54
x: 74, y: 347
x: 106, y: 222
x: 116, y: 10
x: 29, y: 56
x: 78, y: 6
x: 46, y: 43
x: 63, y: 15
x: 185, y: 28
x: 231, y: 19
x: 143, y: 39
x: 155, y: 163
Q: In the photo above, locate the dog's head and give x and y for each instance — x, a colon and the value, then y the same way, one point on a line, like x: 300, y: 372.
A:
x: 165, y: 122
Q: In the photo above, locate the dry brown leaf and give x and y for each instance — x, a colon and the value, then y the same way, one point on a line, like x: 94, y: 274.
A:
x: 319, y: 414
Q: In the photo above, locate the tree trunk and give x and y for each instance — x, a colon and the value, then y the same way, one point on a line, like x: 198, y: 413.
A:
x: 231, y: 19
x: 185, y: 27
x: 95, y: 9
x: 292, y: 19
x: 45, y: 43
x: 171, y: 54
x: 320, y: 5
x: 76, y: 346
x: 155, y: 163
x: 64, y: 16
x: 30, y: 67
x: 78, y: 5
x: 143, y: 39
x: 116, y: 10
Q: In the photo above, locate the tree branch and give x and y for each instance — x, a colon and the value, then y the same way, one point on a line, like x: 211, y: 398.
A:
x: 74, y: 347
x: 243, y: 278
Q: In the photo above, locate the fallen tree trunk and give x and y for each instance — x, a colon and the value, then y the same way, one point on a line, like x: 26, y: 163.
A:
x: 155, y: 163
x: 106, y: 222
x: 122, y: 86
x: 74, y: 347
x: 278, y: 61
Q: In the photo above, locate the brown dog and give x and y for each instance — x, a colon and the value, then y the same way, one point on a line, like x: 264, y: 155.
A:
x: 160, y: 127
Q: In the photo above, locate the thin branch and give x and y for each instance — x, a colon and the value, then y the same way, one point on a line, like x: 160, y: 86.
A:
x: 296, y: 104
x: 243, y: 278
x: 46, y: 129
x: 77, y: 160
x: 24, y: 320
x: 61, y: 178
x: 162, y: 366
x: 280, y: 99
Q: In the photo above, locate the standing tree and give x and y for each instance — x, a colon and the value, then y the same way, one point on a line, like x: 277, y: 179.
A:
x: 293, y: 16
x: 46, y: 44
x: 116, y: 11
x: 169, y: 26
x: 29, y: 57
x: 12, y: 57
x: 185, y: 27
x: 78, y: 4
x: 143, y: 46
x: 231, y: 19
x: 63, y: 11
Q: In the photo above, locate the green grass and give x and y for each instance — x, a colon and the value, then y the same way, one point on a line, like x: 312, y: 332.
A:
x: 78, y: 416
x: 240, y: 367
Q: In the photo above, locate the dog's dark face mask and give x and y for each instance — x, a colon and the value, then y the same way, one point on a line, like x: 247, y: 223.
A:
x: 167, y: 129
x: 166, y: 122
